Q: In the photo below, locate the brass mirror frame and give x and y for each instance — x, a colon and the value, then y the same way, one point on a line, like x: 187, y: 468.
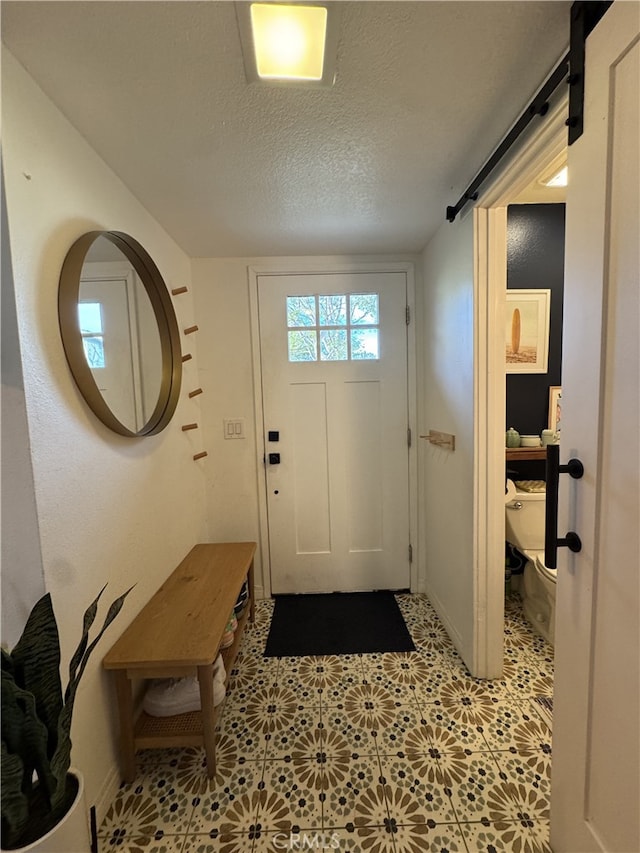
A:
x: 150, y: 277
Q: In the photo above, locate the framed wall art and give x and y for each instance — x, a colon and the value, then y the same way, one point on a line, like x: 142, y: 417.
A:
x: 555, y: 408
x: 527, y: 331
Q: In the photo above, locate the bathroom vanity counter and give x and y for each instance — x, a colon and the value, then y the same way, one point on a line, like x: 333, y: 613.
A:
x: 524, y: 454
x: 177, y: 634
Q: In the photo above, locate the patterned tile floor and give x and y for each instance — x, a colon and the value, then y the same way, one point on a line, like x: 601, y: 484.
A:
x: 384, y: 753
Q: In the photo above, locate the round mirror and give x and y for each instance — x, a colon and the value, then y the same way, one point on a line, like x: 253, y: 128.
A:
x: 119, y: 333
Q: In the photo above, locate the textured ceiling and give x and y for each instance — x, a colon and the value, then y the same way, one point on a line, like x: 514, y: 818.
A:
x: 424, y: 91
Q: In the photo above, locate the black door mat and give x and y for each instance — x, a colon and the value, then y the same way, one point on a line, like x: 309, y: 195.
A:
x: 339, y: 623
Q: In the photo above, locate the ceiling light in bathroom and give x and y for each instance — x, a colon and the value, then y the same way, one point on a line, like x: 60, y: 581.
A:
x: 560, y: 179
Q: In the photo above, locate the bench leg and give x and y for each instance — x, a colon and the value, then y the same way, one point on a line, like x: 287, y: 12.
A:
x: 205, y: 679
x: 125, y: 712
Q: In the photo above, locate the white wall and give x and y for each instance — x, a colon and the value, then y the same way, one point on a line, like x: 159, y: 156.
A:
x: 111, y: 509
x: 234, y: 471
x: 22, y: 574
x: 447, y: 392
x: 221, y: 297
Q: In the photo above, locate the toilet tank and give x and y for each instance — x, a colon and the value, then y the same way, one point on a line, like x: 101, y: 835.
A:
x: 524, y: 520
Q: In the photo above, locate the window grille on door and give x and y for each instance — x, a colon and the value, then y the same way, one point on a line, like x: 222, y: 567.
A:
x: 336, y: 327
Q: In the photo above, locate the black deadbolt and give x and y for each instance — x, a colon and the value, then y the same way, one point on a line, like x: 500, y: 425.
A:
x: 274, y: 459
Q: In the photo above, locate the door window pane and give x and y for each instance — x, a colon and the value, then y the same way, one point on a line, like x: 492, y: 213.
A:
x: 94, y: 350
x: 333, y: 345
x: 90, y: 316
x: 90, y: 320
x: 364, y: 343
x: 303, y: 345
x: 363, y: 309
x: 333, y: 310
x: 301, y: 311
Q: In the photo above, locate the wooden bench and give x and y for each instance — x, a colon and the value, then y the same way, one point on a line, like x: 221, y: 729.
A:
x: 178, y: 634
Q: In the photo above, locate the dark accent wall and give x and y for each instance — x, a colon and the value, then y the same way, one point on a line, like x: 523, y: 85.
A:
x: 535, y: 260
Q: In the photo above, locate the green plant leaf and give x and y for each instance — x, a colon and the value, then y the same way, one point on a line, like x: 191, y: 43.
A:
x: 36, y: 719
x: 114, y: 609
x: 87, y: 622
x: 24, y: 742
x: 15, y: 804
x: 23, y: 734
x: 7, y: 663
x: 61, y: 759
x: 36, y: 666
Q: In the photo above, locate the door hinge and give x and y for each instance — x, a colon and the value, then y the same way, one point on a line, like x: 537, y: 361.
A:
x: 408, y: 436
x: 411, y: 553
x: 408, y: 314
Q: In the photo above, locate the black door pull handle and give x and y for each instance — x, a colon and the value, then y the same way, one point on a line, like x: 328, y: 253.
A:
x: 575, y: 469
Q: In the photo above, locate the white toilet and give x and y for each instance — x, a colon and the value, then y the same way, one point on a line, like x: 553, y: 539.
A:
x: 524, y: 528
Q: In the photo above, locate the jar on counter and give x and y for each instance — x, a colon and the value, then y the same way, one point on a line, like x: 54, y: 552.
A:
x: 512, y: 437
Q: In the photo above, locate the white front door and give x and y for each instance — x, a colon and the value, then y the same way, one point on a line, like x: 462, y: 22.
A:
x: 334, y: 382
x: 595, y: 792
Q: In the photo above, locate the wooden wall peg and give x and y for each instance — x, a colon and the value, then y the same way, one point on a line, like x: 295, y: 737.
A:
x: 190, y: 329
x: 187, y: 356
x: 200, y: 455
x: 189, y: 426
x: 177, y: 290
x: 195, y: 393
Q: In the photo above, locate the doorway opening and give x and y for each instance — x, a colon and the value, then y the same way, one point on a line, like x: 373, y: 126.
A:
x: 534, y: 158
x: 533, y: 345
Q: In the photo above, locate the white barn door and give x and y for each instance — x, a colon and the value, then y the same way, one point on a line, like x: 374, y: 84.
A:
x: 595, y: 793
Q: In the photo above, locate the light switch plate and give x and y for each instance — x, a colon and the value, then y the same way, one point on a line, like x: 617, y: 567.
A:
x: 233, y: 428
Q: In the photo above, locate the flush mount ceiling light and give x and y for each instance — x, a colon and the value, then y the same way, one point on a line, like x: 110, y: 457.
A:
x: 292, y: 43
x: 289, y: 41
x: 556, y: 173
x: 560, y: 179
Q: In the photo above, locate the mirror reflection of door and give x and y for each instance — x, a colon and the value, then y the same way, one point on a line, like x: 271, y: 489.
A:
x: 103, y: 313
x: 121, y: 340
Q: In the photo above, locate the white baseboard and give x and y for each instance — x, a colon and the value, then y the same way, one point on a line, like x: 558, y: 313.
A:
x: 107, y: 794
x: 455, y: 637
x: 259, y: 592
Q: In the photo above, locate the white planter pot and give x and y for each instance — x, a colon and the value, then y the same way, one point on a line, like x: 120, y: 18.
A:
x: 71, y: 835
